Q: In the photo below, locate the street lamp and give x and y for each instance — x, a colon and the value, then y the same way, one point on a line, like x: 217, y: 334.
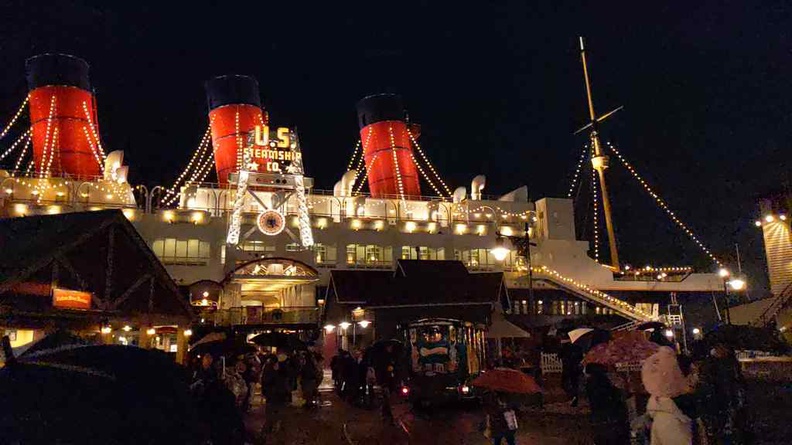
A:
x: 737, y: 284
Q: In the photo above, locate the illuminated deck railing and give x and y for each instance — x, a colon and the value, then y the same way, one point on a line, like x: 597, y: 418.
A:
x: 257, y: 316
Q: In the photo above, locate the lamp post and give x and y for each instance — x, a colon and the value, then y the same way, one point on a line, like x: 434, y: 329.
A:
x: 523, y: 245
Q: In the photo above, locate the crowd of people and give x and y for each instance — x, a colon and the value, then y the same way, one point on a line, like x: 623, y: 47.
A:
x: 355, y: 374
x: 680, y: 400
x: 224, y: 387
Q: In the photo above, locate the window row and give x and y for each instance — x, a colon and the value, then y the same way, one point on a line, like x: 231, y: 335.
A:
x: 181, y: 251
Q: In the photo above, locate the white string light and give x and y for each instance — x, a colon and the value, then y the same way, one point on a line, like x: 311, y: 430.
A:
x: 396, y: 162
x: 366, y: 172
x: 53, y: 147
x: 47, y: 134
x: 16, y: 116
x: 595, y: 200
x: 196, y: 154
x: 662, y: 204
x: 425, y: 176
x: 577, y: 171
x: 94, y: 132
x: 93, y: 148
x: 24, y: 136
x: 429, y: 164
x: 354, y: 155
x: 362, y: 157
x: 22, y: 154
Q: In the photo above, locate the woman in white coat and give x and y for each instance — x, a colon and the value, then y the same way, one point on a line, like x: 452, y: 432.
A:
x: 664, y: 381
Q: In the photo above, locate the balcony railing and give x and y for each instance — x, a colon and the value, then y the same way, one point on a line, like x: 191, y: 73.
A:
x: 252, y: 315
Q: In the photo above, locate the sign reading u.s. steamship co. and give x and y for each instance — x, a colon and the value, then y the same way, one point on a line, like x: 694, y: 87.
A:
x: 272, y: 151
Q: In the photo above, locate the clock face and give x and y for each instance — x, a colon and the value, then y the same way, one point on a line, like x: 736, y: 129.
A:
x: 271, y: 222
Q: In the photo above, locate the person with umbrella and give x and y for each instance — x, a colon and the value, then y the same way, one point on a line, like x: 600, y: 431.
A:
x: 276, y: 387
x: 609, y: 417
x: 501, y: 415
x: 386, y: 367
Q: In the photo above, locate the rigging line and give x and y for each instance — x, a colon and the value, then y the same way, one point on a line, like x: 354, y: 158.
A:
x: 577, y: 171
x: 429, y: 164
x: 198, y: 151
x: 24, y: 136
x: 396, y: 162
x: 93, y: 131
x: 363, y: 155
x: 595, y: 200
x: 663, y: 205
x: 22, y: 154
x: 425, y: 176
x: 354, y: 154
x: 93, y: 148
x: 47, y: 134
x: 366, y: 172
x: 16, y: 116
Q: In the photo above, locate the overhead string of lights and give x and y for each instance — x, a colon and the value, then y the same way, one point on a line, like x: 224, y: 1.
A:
x: 663, y: 205
x: 578, y: 168
x: 94, y: 150
x: 16, y: 116
x: 429, y: 164
x: 362, y: 161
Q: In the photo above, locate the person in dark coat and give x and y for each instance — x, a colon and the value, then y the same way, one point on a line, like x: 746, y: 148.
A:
x: 336, y: 367
x: 501, y: 417
x: 609, y: 418
x: 386, y: 368
x: 216, y: 404
x: 309, y: 378
x: 721, y: 394
x: 571, y: 356
x: 276, y: 388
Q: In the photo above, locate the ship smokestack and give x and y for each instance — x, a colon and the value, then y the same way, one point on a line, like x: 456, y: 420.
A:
x: 387, y: 149
x: 62, y: 116
x: 234, y: 112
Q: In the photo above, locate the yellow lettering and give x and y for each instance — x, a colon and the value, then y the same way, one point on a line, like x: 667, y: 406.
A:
x: 262, y: 135
x: 283, y: 137
x: 273, y: 167
x: 287, y: 156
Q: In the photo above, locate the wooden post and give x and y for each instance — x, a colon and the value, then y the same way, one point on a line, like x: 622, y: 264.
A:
x: 181, y: 345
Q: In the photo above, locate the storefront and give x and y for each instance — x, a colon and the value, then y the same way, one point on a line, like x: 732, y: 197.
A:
x: 91, y: 274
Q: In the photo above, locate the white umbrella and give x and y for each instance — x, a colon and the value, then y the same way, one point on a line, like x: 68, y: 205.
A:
x: 214, y: 336
x: 575, y: 334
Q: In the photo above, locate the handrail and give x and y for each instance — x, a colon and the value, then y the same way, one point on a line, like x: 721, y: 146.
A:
x: 780, y: 301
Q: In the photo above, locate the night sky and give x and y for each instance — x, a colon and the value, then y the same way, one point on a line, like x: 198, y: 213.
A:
x: 497, y: 87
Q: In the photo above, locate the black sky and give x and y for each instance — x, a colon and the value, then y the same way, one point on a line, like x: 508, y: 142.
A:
x: 497, y: 87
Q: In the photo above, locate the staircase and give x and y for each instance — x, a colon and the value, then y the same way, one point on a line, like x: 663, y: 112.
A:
x: 779, y: 303
x: 589, y: 293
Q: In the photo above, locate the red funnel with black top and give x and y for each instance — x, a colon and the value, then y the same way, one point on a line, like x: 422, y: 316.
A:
x: 63, y: 117
x: 234, y: 112
x: 387, y: 148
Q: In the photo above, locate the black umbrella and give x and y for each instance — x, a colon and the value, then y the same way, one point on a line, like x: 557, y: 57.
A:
x: 280, y: 340
x: 97, y: 394
x: 749, y: 338
x: 587, y: 338
x: 57, y: 339
x: 226, y: 348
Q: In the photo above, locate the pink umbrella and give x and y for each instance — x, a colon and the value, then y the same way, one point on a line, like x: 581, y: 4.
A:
x: 628, y: 347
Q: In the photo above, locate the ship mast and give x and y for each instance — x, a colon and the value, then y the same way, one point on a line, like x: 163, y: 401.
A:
x: 600, y: 162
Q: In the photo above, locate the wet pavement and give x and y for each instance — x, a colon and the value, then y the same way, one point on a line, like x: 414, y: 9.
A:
x: 337, y: 422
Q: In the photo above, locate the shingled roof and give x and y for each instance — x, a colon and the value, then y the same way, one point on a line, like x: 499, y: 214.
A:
x: 417, y: 282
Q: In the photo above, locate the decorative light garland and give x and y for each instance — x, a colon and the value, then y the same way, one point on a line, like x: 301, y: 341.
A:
x: 396, y: 162
x: 198, y: 151
x: 577, y: 171
x: 94, y: 132
x: 16, y: 116
x: 24, y: 136
x: 52, y: 152
x: 429, y: 164
x: 366, y: 172
x: 354, y: 154
x: 662, y: 204
x: 425, y: 176
x: 623, y: 305
x: 22, y: 154
x: 93, y: 148
x: 595, y: 200
x: 46, y: 135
